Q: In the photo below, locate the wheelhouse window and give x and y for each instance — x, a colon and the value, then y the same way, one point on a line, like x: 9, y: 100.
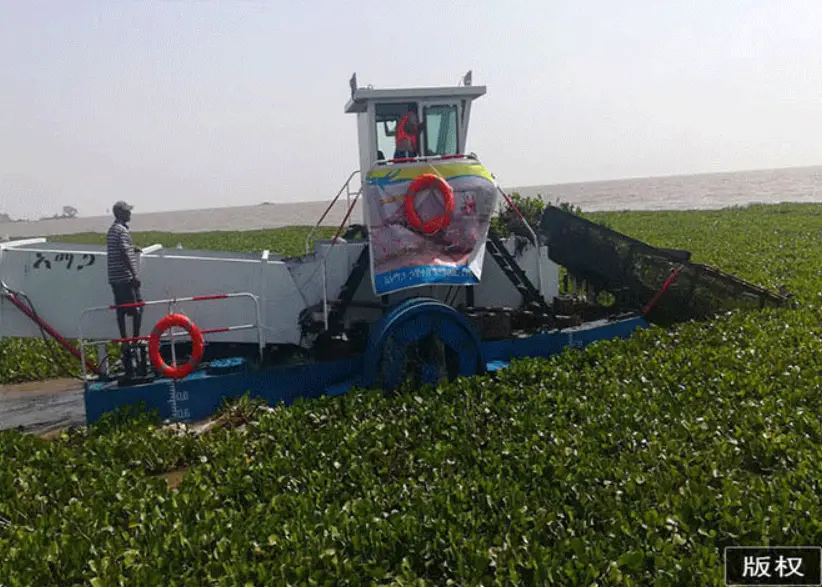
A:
x: 387, y: 117
x: 441, y: 130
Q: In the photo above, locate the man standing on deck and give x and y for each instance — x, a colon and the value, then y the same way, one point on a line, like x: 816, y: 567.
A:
x: 124, y: 276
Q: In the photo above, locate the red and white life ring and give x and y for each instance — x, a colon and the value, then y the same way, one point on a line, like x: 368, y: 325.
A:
x: 197, y: 346
x: 437, y: 223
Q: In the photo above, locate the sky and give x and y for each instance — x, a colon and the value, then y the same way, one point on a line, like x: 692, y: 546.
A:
x: 179, y: 105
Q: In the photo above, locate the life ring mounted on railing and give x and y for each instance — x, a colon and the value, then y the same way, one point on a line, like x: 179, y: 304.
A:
x: 437, y: 223
x: 197, y: 346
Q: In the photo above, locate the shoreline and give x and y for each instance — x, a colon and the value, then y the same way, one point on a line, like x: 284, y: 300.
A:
x: 250, y: 218
x: 42, y: 407
x: 706, y: 191
x: 38, y: 388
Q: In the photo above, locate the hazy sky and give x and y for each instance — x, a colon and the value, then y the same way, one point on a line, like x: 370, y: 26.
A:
x: 176, y: 105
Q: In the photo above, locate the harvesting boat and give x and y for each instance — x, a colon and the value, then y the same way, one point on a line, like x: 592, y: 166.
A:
x: 424, y: 289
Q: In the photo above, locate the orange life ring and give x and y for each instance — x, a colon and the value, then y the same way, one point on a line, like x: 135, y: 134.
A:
x: 437, y: 223
x: 197, y: 347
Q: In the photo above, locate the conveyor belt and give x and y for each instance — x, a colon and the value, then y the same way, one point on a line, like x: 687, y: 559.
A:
x: 634, y: 271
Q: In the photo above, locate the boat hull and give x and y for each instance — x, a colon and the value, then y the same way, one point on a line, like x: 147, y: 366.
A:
x: 201, y: 394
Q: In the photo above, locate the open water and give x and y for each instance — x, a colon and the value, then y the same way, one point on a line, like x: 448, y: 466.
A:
x: 706, y: 191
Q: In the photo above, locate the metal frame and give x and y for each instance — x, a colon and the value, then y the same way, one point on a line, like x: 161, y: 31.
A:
x: 533, y: 236
x: 458, y: 121
x: 323, y: 265
x: 363, y: 102
x: 172, y: 303
x: 361, y: 97
x: 508, y: 200
x: 346, y: 186
x: 423, y: 159
x: 201, y: 396
x: 358, y: 193
x: 13, y: 296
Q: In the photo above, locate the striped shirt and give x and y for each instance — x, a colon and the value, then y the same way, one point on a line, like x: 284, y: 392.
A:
x: 122, y: 258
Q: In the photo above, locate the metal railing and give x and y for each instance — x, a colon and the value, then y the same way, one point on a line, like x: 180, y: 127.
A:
x: 423, y: 159
x: 323, y: 265
x: 172, y: 307
x: 427, y: 159
x: 27, y: 308
x: 347, y: 187
x: 533, y: 236
x: 324, y: 262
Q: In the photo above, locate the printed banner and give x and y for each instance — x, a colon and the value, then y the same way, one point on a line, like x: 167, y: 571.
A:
x: 403, y: 257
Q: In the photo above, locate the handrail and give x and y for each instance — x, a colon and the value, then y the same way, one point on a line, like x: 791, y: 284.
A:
x: 331, y: 205
x: 323, y: 264
x: 14, y: 297
x: 172, y: 302
x: 423, y: 159
x: 521, y: 217
x: 654, y: 300
x: 533, y: 236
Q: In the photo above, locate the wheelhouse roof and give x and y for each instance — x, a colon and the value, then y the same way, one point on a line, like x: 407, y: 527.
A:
x: 361, y: 96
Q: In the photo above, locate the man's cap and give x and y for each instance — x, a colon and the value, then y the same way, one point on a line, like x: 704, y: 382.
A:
x: 121, y: 205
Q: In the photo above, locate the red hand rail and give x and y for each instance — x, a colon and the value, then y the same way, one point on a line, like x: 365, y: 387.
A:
x: 662, y: 290
x: 50, y: 330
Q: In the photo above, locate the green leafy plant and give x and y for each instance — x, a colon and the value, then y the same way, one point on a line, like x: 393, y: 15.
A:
x: 629, y: 462
x: 507, y: 221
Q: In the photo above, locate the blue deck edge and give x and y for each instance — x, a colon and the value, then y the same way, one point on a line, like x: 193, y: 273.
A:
x: 200, y: 395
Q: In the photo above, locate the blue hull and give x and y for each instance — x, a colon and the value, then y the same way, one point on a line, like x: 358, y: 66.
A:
x: 200, y: 395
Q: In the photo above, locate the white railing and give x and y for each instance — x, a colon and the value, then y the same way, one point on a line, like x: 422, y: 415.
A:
x: 347, y: 219
x: 172, y: 305
x: 347, y: 187
x: 423, y: 159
